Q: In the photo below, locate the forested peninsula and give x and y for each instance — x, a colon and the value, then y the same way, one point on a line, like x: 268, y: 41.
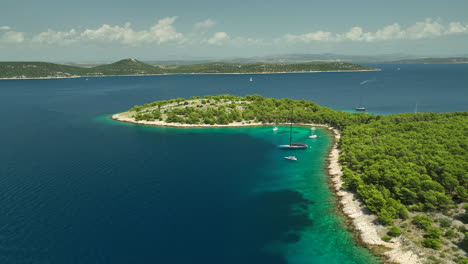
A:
x: 410, y: 170
x: 132, y: 67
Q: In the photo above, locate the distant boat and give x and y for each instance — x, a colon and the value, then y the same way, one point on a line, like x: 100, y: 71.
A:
x: 360, y: 108
x: 251, y: 79
x: 291, y: 158
x: 86, y: 79
x: 398, y: 69
x: 313, y: 133
x: 275, y: 128
x: 292, y: 145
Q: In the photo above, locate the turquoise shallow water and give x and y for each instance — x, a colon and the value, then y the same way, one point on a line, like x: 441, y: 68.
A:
x: 317, y: 234
x: 325, y: 240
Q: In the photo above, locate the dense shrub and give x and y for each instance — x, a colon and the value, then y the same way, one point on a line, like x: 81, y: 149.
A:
x: 434, y: 243
x: 394, y: 231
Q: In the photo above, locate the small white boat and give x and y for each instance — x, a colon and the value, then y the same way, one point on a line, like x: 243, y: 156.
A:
x: 251, y: 79
x: 275, y: 128
x: 313, y: 136
x: 360, y: 109
x: 312, y: 128
x: 291, y: 158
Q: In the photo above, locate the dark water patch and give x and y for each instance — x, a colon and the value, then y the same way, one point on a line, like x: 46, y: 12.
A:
x: 282, y: 205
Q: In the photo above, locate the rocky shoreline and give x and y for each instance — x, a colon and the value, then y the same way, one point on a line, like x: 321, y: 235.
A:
x: 361, y: 219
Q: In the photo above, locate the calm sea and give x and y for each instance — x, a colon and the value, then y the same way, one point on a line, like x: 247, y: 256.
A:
x: 76, y: 187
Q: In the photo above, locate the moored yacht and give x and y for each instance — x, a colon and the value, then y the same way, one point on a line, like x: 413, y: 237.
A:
x: 293, y: 145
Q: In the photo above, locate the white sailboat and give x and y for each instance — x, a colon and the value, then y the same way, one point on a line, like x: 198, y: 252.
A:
x: 313, y: 135
x: 361, y: 107
x: 251, y: 79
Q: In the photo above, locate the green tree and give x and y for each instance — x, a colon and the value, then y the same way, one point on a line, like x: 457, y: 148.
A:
x: 394, y: 231
x: 433, y: 243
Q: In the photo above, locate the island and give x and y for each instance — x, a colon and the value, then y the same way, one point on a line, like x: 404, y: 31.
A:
x: 401, y: 179
x: 133, y: 67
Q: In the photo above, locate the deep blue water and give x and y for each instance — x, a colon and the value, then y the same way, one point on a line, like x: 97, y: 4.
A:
x: 77, y: 188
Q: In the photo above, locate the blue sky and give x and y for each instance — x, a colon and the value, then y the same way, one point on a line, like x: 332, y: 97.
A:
x: 97, y: 30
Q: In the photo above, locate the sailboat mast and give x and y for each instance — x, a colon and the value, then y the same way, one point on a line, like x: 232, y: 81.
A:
x: 290, y: 126
x: 360, y: 97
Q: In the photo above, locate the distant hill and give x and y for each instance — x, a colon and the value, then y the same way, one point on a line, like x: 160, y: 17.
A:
x: 302, y: 58
x: 21, y: 70
x: 434, y: 60
x: 224, y: 67
x: 126, y: 67
x: 52, y: 70
x: 294, y: 58
x: 37, y: 70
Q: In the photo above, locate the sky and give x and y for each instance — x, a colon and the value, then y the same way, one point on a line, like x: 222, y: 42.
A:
x: 109, y: 30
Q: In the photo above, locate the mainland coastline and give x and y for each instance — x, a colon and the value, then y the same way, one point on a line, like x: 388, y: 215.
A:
x: 133, y: 67
x: 191, y: 73
x: 361, y: 221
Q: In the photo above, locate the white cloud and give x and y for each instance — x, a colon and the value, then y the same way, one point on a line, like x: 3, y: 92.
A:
x: 8, y: 36
x: 161, y: 32
x: 208, y: 23
x: 316, y: 36
x: 426, y: 29
x: 457, y: 27
x: 218, y: 38
x: 164, y: 32
x: 390, y: 32
x: 12, y: 37
x: 54, y: 37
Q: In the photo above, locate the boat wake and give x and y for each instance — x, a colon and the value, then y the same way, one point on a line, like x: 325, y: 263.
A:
x: 367, y: 81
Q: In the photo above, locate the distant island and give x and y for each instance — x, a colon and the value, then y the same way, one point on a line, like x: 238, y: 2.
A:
x: 434, y: 60
x: 25, y: 70
x: 409, y: 170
